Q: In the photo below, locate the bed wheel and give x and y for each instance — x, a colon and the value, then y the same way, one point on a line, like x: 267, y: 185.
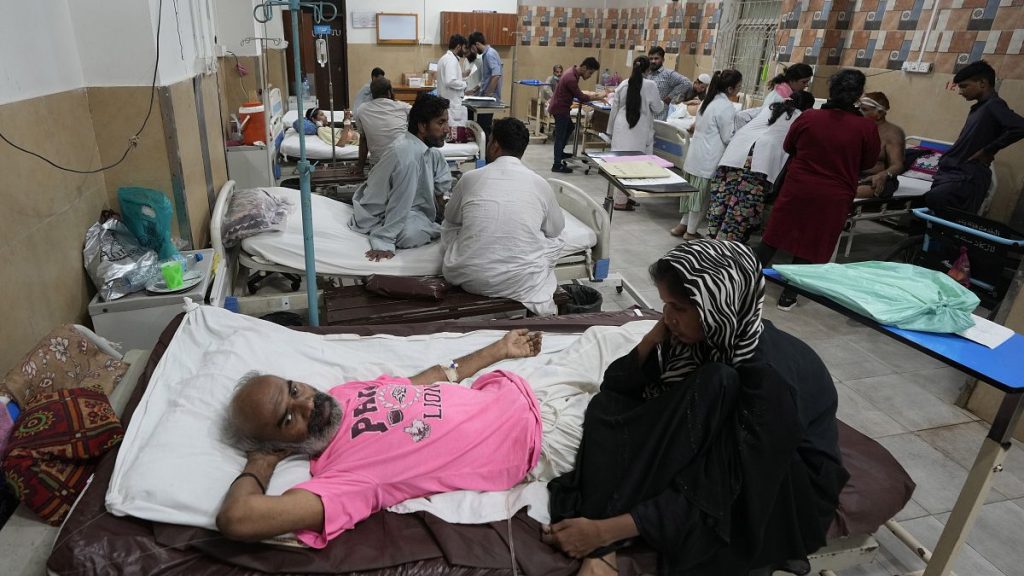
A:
x: 618, y: 289
x: 295, y: 285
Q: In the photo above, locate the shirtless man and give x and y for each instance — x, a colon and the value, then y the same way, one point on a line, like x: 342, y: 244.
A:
x: 875, y: 105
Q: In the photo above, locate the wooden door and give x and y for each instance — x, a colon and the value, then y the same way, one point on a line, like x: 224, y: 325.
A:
x: 336, y: 46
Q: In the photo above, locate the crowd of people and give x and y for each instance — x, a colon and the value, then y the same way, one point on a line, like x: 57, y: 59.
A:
x: 714, y: 440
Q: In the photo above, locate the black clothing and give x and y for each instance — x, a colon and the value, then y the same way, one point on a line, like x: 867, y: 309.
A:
x: 729, y: 470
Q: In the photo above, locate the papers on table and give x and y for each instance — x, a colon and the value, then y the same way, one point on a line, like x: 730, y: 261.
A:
x: 672, y: 178
x: 644, y: 169
x: 479, y: 99
x: 986, y: 333
x: 639, y: 158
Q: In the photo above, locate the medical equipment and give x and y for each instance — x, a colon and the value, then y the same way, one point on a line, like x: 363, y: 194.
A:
x: 263, y: 13
x: 321, y: 52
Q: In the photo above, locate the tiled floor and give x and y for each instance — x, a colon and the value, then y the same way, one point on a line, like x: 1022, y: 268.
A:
x: 888, y: 391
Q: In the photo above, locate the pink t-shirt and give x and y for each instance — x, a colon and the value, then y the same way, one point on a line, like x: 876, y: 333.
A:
x: 399, y: 441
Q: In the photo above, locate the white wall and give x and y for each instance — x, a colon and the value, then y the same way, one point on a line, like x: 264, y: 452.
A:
x: 40, y: 57
x: 233, y: 23
x: 114, y: 41
x: 429, y: 11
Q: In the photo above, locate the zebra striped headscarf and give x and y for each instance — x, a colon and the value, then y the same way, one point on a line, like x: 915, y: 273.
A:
x: 724, y: 281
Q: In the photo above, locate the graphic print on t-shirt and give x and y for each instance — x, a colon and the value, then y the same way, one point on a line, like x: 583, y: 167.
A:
x: 381, y: 407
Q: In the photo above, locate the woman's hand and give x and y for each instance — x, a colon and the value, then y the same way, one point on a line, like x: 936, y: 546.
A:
x: 520, y: 343
x: 577, y: 537
x: 658, y: 334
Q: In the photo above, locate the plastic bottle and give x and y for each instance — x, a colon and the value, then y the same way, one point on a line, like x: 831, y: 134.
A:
x: 188, y: 261
x: 305, y: 89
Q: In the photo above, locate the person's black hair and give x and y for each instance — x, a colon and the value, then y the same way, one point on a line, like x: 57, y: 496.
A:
x: 471, y: 56
x: 979, y: 70
x: 641, y: 64
x: 802, y: 100
x: 311, y: 114
x: 426, y: 108
x: 845, y: 87
x: 591, y: 62
x: 511, y: 135
x: 380, y: 87
x: 721, y: 81
x: 792, y: 73
x: 556, y: 67
x: 656, y: 50
x: 477, y: 38
x: 376, y: 73
x: 662, y: 271
x: 457, y: 40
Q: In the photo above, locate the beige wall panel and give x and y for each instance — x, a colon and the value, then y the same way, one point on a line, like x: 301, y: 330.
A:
x: 214, y: 135
x: 190, y: 150
x: 46, y: 214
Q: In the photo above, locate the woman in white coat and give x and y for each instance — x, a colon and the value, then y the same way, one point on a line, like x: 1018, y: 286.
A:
x: 712, y: 132
x: 631, y: 121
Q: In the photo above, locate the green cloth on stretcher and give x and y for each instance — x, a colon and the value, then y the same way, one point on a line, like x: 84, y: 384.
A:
x: 901, y: 295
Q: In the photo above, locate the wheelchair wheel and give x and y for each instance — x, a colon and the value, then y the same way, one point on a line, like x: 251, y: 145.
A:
x: 907, y: 251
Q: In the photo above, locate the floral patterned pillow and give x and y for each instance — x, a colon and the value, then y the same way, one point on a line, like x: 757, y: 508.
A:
x: 63, y: 359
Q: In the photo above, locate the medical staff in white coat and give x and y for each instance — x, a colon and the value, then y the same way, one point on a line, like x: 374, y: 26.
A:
x: 712, y: 132
x: 450, y: 81
x: 631, y: 121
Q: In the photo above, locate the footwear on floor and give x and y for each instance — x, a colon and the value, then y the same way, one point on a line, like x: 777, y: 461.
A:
x: 695, y: 236
x: 562, y: 168
x: 678, y: 230
x: 786, y: 301
x: 627, y: 207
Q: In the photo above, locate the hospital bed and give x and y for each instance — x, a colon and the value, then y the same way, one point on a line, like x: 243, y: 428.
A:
x: 340, y: 251
x: 909, y: 195
x: 671, y: 141
x: 95, y: 541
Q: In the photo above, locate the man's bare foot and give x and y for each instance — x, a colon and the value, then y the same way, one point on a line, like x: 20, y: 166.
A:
x: 603, y: 566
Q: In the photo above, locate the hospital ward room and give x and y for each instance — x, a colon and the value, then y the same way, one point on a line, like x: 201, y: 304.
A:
x: 512, y: 287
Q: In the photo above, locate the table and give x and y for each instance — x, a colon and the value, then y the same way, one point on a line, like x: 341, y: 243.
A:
x: 1000, y: 368
x: 578, y: 133
x: 652, y: 191
x: 408, y: 94
x: 483, y: 108
x: 535, y: 131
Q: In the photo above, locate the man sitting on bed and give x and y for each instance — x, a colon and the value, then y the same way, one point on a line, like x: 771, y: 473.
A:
x: 515, y: 259
x: 375, y: 444
x: 397, y: 205
x: 382, y: 121
x: 965, y: 172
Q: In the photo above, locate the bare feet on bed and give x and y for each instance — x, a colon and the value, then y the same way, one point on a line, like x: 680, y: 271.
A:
x: 604, y: 566
x: 378, y: 255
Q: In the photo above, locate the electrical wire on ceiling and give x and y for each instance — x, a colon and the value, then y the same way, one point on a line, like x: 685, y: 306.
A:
x: 134, y: 139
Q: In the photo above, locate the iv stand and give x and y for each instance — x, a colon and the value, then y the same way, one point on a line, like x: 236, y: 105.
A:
x: 330, y: 97
x: 263, y: 13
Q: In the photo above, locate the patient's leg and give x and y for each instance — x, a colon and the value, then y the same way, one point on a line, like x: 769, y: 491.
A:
x: 418, y: 231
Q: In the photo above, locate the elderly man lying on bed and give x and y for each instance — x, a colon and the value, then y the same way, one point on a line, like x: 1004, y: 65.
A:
x: 397, y: 205
x: 502, y: 225
x: 375, y: 444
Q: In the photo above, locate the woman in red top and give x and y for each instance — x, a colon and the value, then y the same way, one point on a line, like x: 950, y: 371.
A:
x: 828, y: 149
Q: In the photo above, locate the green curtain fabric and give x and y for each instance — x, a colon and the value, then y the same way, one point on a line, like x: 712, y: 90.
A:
x: 894, y: 294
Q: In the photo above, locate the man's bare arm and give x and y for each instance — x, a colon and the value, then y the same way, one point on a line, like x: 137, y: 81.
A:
x: 516, y: 344
x: 249, y: 515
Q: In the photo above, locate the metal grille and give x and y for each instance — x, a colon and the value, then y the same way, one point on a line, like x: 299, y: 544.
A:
x: 747, y: 41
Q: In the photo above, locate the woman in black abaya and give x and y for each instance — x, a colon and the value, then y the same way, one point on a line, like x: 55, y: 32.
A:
x: 714, y: 441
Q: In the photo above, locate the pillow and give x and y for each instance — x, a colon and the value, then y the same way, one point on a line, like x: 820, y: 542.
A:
x: 57, y: 442
x: 62, y: 360
x: 253, y: 211
x: 924, y: 162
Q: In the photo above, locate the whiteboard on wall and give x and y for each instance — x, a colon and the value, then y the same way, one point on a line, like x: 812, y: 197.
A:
x: 397, y: 28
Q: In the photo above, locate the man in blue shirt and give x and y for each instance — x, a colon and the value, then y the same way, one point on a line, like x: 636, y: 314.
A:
x: 491, y: 72
x: 965, y: 172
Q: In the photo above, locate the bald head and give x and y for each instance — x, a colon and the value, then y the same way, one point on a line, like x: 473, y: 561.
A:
x: 269, y: 413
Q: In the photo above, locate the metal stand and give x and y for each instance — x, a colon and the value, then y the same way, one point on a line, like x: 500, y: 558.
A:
x: 263, y: 14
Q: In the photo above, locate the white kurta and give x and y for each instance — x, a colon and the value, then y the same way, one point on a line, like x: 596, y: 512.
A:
x: 640, y: 137
x: 501, y: 235
x: 450, y: 85
x: 712, y: 133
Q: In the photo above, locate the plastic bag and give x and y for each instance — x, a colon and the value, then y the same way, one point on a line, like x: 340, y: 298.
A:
x: 117, y: 264
x: 253, y: 211
x: 961, y: 270
x: 894, y: 294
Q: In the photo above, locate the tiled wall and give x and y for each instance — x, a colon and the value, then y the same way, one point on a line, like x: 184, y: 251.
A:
x: 679, y: 27
x: 885, y: 33
x: 864, y: 33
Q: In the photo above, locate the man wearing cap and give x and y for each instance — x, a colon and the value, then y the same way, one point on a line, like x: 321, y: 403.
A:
x: 695, y: 94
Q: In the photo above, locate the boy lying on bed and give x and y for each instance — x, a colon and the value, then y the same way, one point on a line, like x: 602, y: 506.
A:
x: 375, y: 444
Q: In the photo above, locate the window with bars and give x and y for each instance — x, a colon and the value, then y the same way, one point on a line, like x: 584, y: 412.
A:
x: 746, y: 41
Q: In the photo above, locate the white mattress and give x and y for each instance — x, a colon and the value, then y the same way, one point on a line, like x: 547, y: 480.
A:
x: 909, y: 188
x: 341, y: 252
x: 172, y: 466
x: 317, y: 149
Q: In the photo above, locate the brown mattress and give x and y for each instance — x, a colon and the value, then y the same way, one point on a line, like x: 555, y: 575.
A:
x: 92, y: 541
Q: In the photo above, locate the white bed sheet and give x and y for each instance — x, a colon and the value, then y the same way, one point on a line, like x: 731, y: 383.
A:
x: 317, y: 149
x: 173, y: 467
x: 910, y: 188
x: 341, y: 252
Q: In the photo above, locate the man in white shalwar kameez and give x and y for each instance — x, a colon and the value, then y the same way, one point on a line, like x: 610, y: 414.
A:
x: 397, y: 205
x: 450, y: 83
x: 502, y: 225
